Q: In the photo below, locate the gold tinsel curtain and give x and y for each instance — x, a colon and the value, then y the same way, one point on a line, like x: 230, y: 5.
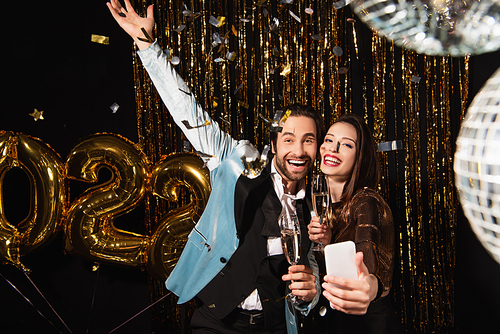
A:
x: 274, y: 54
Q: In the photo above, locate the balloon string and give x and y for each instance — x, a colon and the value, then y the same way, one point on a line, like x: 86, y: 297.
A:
x: 159, y: 300
x: 25, y: 298
x: 29, y: 279
x: 93, y: 298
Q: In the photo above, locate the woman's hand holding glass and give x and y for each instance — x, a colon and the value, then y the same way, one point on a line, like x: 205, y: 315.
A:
x: 318, y: 232
x: 321, y: 202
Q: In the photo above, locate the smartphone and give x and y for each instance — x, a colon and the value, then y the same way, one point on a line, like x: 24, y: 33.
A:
x: 339, y: 258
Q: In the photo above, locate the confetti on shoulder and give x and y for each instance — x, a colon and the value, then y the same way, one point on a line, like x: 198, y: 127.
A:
x: 185, y: 92
x: 204, y: 155
x: 189, y: 126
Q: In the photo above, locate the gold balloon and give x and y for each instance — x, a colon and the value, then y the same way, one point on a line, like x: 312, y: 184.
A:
x: 169, y: 176
x: 9, y: 235
x: 45, y: 171
x: 89, y: 228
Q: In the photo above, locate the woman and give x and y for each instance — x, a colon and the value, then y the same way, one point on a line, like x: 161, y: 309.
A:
x: 359, y: 214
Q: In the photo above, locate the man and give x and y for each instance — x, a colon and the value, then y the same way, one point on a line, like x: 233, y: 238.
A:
x: 233, y: 263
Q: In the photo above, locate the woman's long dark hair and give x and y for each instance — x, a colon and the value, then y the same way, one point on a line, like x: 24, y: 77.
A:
x: 366, y: 170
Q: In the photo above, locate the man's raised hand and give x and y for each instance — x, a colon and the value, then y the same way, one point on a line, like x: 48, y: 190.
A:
x: 139, y: 28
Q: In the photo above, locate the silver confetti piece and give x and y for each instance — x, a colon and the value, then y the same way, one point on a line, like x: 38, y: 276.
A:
x: 338, y: 51
x: 180, y: 28
x: 393, y: 145
x: 114, y: 107
x: 295, y: 16
x: 175, y: 60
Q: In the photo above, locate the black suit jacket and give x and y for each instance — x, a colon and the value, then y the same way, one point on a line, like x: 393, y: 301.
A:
x: 257, y: 210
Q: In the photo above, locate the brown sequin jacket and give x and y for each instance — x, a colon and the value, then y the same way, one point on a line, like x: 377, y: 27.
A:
x: 367, y: 220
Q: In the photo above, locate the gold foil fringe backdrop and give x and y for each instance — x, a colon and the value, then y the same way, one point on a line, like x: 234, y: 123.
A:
x: 246, y: 59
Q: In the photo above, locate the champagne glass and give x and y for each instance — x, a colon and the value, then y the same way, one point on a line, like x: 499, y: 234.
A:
x: 321, y: 202
x: 291, y: 242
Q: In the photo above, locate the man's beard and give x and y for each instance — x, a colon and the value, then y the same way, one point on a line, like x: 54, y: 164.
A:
x: 281, y: 166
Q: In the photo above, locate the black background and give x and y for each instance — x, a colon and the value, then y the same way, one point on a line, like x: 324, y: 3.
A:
x: 50, y: 64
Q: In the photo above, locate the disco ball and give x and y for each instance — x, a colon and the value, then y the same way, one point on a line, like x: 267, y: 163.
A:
x: 435, y: 27
x: 477, y: 165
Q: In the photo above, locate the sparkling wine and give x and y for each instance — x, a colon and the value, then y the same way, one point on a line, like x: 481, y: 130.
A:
x: 320, y: 203
x: 290, y: 240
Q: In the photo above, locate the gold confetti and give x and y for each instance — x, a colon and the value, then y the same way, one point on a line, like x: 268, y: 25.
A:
x: 231, y: 56
x: 217, y: 22
x: 285, y: 117
x: 243, y: 104
x: 286, y: 70
x: 221, y: 20
x: 99, y: 39
x: 37, y: 114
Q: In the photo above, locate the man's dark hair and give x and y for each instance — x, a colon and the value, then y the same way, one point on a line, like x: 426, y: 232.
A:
x: 306, y: 111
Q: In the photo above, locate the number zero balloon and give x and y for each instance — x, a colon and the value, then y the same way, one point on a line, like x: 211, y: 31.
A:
x: 45, y: 171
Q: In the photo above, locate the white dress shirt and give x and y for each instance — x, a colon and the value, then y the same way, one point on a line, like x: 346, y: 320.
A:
x: 252, y: 302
